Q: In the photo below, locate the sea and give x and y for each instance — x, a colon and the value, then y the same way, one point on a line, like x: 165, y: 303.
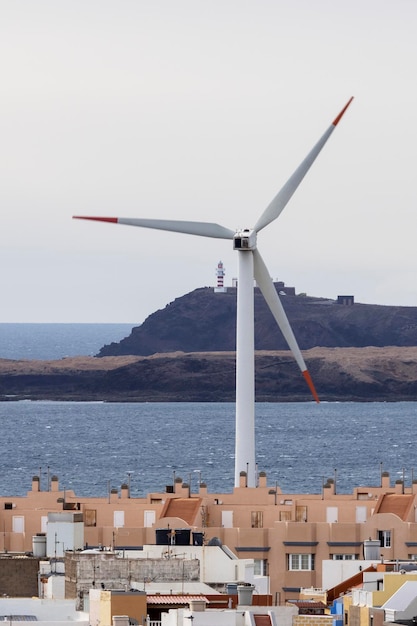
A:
x: 93, y: 447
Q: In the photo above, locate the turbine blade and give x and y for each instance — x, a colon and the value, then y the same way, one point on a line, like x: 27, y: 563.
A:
x: 272, y: 299
x: 204, y: 229
x: 275, y: 208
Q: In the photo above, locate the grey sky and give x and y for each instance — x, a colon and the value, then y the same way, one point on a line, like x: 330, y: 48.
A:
x: 184, y: 109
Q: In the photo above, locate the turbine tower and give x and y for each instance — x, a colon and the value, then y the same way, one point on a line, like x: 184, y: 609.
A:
x: 250, y: 266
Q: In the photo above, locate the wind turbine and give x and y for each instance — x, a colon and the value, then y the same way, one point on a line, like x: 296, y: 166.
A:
x: 251, y: 265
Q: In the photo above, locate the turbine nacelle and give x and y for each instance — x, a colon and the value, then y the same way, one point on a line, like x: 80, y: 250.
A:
x: 244, y: 240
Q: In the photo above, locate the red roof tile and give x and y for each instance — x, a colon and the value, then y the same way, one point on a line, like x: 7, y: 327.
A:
x: 173, y: 598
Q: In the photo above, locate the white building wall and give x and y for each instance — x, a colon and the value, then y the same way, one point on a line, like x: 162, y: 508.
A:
x: 335, y: 572
x: 63, y: 534
x: 55, y: 588
x: 48, y: 612
x: 181, y: 617
x: 362, y: 598
x: 215, y: 565
x: 282, y: 615
x: 54, y: 575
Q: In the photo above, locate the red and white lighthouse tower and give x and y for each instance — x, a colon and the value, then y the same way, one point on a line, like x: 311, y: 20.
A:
x: 220, y: 272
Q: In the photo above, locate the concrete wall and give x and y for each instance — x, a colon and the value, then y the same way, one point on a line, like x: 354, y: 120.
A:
x: 132, y: 604
x: 104, y: 605
x: 313, y: 620
x: 283, y: 616
x: 216, y: 566
x: 19, y: 576
x: 86, y: 571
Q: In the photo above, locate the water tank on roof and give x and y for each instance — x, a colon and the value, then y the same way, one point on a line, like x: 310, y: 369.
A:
x: 173, y: 537
x: 182, y: 536
x: 245, y: 593
x: 163, y: 536
x: 198, y: 538
x: 39, y: 545
x: 371, y: 550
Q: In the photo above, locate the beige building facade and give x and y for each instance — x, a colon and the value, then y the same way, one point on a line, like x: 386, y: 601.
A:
x: 288, y: 535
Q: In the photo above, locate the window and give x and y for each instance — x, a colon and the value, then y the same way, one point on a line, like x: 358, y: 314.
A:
x: 300, y: 513
x: 331, y: 514
x: 149, y: 519
x: 90, y: 517
x: 260, y: 568
x: 384, y: 537
x: 361, y: 512
x: 285, y: 516
x: 118, y: 519
x: 257, y: 519
x: 18, y: 524
x: 300, y: 562
x: 344, y: 557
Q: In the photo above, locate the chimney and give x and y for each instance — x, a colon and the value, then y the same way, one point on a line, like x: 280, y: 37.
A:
x: 385, y: 480
x: 262, y: 479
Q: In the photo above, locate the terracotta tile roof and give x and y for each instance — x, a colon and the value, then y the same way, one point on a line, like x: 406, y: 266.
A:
x: 308, y: 604
x: 184, y: 508
x: 262, y: 620
x: 173, y: 598
x: 398, y: 504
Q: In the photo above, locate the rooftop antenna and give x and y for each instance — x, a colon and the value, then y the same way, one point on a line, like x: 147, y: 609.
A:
x: 250, y: 266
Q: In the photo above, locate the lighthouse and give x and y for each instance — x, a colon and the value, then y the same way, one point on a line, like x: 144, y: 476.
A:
x: 220, y: 278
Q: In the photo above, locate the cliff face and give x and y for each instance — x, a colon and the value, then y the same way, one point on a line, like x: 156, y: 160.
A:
x: 344, y: 374
x: 185, y: 352
x: 204, y: 321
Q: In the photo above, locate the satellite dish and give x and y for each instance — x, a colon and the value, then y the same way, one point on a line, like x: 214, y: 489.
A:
x: 215, y: 541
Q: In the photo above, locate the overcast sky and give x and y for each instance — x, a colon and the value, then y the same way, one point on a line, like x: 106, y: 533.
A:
x: 192, y: 109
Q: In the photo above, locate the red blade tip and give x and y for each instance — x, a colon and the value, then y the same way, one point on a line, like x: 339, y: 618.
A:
x: 339, y: 117
x: 112, y: 220
x: 310, y: 384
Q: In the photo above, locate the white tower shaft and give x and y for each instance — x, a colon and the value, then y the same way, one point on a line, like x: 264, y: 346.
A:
x: 245, y: 372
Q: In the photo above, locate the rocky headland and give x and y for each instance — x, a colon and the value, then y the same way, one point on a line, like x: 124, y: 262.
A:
x: 185, y: 352
x: 340, y: 374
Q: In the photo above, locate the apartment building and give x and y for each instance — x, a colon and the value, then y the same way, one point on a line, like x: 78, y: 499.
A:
x: 287, y: 535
